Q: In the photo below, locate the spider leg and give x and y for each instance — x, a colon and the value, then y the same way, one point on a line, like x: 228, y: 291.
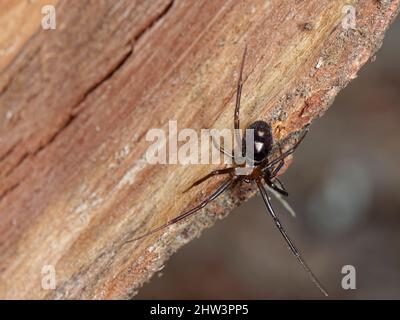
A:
x: 286, y: 153
x: 271, y: 175
x: 282, y: 201
x: 281, y: 192
x: 278, y: 188
x: 281, y: 186
x: 277, y: 169
x: 287, y: 239
x: 211, y: 174
x: 224, y: 186
x: 221, y: 148
x: 238, y: 96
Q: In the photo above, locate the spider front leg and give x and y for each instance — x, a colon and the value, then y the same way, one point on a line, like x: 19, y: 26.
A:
x: 270, y: 177
x: 211, y: 174
x: 236, y: 120
x: 236, y: 125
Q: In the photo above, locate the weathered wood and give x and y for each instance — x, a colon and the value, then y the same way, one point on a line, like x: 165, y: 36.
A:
x: 18, y: 21
x: 76, y: 103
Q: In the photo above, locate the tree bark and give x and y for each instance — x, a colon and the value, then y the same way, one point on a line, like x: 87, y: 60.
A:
x: 76, y: 104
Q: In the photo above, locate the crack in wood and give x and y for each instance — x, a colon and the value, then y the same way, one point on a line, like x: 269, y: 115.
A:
x: 70, y: 119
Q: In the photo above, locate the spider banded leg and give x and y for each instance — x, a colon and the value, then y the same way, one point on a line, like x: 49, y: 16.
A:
x: 287, y: 239
x: 224, y: 186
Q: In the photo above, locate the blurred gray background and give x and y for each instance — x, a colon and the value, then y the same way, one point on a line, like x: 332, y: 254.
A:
x: 344, y: 184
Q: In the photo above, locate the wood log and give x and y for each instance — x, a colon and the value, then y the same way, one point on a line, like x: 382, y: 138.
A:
x: 76, y: 104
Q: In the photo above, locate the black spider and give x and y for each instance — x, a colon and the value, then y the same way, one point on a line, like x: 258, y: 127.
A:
x: 262, y: 171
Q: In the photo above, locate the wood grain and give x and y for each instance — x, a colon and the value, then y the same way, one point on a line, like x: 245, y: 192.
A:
x: 18, y: 22
x: 77, y: 102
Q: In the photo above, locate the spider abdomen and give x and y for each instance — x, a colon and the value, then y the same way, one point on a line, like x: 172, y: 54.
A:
x: 262, y: 140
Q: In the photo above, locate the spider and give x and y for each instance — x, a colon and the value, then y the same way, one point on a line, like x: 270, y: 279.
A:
x: 263, y: 172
